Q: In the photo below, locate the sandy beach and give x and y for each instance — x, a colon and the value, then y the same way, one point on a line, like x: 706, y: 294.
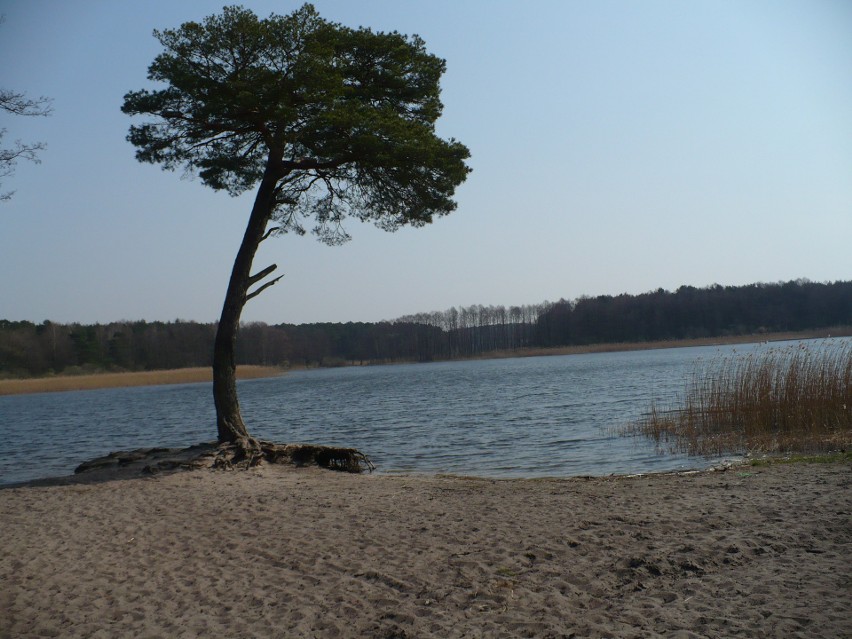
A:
x: 285, y: 552
x: 64, y: 383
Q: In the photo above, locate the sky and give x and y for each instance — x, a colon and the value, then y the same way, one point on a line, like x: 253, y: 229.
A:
x: 616, y: 147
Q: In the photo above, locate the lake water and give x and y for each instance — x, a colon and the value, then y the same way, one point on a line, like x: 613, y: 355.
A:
x: 525, y: 417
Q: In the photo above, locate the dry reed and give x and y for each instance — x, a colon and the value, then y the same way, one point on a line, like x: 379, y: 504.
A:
x: 787, y: 399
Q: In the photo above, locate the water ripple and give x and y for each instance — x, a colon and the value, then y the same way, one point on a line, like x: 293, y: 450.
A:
x: 516, y: 417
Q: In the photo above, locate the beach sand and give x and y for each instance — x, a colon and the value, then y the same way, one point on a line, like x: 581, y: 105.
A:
x: 285, y: 552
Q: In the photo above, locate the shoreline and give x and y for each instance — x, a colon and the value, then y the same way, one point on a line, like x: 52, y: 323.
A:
x: 280, y: 551
x: 94, y: 381
x: 621, y: 347
x: 135, y: 470
x: 62, y: 383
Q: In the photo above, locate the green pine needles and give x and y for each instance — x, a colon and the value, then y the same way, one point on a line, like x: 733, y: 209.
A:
x: 342, y: 119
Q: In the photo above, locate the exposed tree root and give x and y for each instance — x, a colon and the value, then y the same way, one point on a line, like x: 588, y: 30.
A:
x: 246, y: 453
x: 349, y: 460
x: 251, y: 452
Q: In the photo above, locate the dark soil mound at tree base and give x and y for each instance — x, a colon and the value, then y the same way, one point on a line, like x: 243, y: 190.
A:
x: 150, y: 461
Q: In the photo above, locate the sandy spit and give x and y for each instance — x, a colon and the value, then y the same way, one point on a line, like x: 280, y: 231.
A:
x: 63, y: 383
x: 283, y: 552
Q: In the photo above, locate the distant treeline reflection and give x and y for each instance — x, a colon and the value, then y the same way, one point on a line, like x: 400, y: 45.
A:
x: 28, y: 349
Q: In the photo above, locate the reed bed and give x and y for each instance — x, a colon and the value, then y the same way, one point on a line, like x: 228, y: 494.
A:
x: 786, y: 399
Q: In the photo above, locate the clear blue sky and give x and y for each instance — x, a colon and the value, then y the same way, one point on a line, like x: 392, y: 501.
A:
x: 616, y: 147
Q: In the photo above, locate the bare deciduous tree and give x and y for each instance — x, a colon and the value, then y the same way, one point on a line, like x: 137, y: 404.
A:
x: 19, y: 104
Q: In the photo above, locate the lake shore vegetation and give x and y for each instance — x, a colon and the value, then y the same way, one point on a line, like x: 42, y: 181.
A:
x: 796, y: 398
x: 687, y: 316
x: 90, y: 378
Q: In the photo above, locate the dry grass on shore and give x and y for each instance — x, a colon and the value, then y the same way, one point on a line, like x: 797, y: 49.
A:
x: 115, y: 380
x: 790, y: 399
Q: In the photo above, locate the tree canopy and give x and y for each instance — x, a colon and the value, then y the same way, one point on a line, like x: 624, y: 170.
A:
x: 342, y: 118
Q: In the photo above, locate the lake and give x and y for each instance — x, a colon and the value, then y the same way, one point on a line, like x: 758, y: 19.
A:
x: 523, y: 417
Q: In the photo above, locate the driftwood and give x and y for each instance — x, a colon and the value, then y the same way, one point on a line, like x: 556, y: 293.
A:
x: 225, y: 457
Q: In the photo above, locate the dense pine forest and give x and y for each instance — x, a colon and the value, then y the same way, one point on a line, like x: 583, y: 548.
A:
x: 28, y: 349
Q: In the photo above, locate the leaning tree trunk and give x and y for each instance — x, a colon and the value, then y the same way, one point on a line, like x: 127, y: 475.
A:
x: 229, y: 421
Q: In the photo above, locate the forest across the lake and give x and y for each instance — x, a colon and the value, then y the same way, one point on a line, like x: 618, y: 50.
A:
x: 701, y: 315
